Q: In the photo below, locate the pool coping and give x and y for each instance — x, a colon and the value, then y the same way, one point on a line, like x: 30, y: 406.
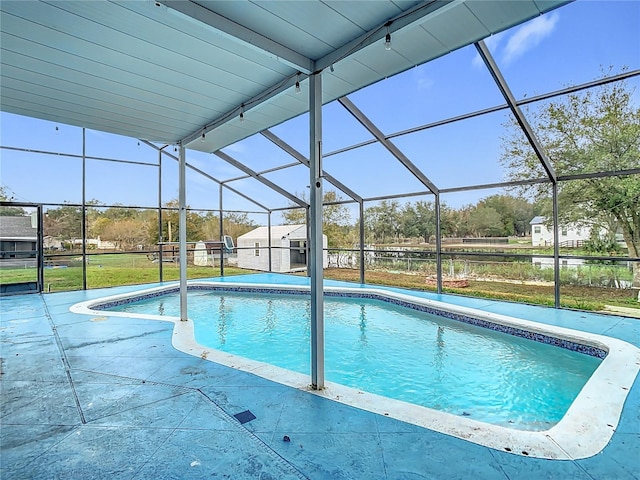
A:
x: 584, y: 431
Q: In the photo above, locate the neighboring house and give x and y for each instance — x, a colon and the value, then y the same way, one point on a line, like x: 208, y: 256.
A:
x: 569, y: 235
x: 18, y: 239
x: 52, y: 243
x: 288, y: 253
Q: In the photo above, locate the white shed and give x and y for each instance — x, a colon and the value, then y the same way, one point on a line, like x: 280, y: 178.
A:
x: 571, y: 235
x: 288, y: 249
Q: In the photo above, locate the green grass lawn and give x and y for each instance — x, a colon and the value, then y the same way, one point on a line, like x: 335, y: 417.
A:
x: 108, y: 270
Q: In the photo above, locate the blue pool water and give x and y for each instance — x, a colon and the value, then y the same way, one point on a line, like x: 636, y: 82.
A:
x: 393, y: 351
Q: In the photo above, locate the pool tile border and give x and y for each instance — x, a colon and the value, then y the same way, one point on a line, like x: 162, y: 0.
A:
x: 509, y: 330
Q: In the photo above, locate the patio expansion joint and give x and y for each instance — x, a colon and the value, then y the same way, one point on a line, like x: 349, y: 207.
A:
x: 256, y: 439
x: 227, y: 416
x: 112, y: 340
x: 65, y: 361
x: 382, y: 452
x: 570, y: 458
x: 498, y: 462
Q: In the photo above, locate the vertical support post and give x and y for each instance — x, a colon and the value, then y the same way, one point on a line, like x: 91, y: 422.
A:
x: 84, y: 209
x: 308, y: 223
x: 160, y: 254
x: 361, y: 204
x: 438, y: 245
x: 269, y: 239
x: 40, y: 247
x: 182, y: 225
x: 221, y: 234
x: 316, y: 244
x: 556, y: 247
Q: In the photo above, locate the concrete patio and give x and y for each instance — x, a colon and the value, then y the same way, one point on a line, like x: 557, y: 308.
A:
x: 105, y: 397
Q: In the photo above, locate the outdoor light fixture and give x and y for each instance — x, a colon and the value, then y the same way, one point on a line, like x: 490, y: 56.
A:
x: 203, y: 135
x: 387, y: 40
x: 242, y: 113
x: 298, y: 84
x: 57, y: 130
x: 331, y: 68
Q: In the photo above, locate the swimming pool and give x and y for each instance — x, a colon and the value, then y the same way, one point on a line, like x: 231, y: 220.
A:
x: 211, y: 336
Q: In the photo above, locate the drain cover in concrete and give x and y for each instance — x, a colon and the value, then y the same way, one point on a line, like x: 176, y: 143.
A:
x: 244, y: 417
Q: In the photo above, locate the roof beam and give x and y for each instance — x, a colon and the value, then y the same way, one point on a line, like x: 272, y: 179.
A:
x: 394, y: 24
x: 253, y: 102
x: 240, y: 34
x: 486, y: 56
x: 305, y: 161
x: 264, y: 181
x: 388, y: 144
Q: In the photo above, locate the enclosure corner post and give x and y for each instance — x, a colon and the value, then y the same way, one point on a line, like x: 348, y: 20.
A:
x: 160, y: 254
x: 182, y: 205
x: 84, y: 209
x: 361, y: 204
x: 438, y: 246
x: 221, y: 233
x: 316, y: 243
x: 556, y: 247
x: 269, y: 240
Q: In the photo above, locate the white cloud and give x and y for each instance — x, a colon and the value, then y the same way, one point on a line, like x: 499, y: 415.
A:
x: 422, y: 79
x: 235, y: 148
x: 530, y: 35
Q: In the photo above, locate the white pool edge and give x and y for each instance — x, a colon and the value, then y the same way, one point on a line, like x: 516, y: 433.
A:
x: 584, y: 431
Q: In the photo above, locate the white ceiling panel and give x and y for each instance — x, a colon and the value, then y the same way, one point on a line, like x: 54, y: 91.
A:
x: 497, y: 15
x: 158, y: 71
x: 456, y: 27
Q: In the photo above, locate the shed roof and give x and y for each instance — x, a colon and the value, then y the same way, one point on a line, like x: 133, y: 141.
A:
x: 277, y: 232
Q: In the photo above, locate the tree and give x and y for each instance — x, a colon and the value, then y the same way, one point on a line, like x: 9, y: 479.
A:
x: 171, y: 225
x: 126, y: 233
x: 336, y: 218
x: 593, y: 131
x: 9, y: 211
x: 419, y: 220
x: 63, y: 223
x: 235, y: 224
x: 383, y: 222
x: 515, y: 213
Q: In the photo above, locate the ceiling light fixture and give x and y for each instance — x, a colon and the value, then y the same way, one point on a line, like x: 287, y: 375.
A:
x: 387, y: 40
x: 242, y: 113
x: 298, y: 84
x: 204, y: 135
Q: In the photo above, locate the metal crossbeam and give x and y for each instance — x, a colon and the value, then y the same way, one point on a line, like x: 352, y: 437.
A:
x: 515, y: 109
x: 205, y: 174
x: 262, y: 180
x: 405, y: 19
x: 305, y: 161
x: 388, y: 144
x: 241, y: 34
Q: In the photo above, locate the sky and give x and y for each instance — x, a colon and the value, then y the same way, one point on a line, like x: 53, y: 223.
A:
x: 573, y: 44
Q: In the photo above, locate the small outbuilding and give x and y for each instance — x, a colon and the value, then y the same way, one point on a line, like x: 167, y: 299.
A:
x: 571, y: 235
x: 288, y: 249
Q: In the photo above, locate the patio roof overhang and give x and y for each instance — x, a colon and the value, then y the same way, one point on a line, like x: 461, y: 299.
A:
x: 169, y: 71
